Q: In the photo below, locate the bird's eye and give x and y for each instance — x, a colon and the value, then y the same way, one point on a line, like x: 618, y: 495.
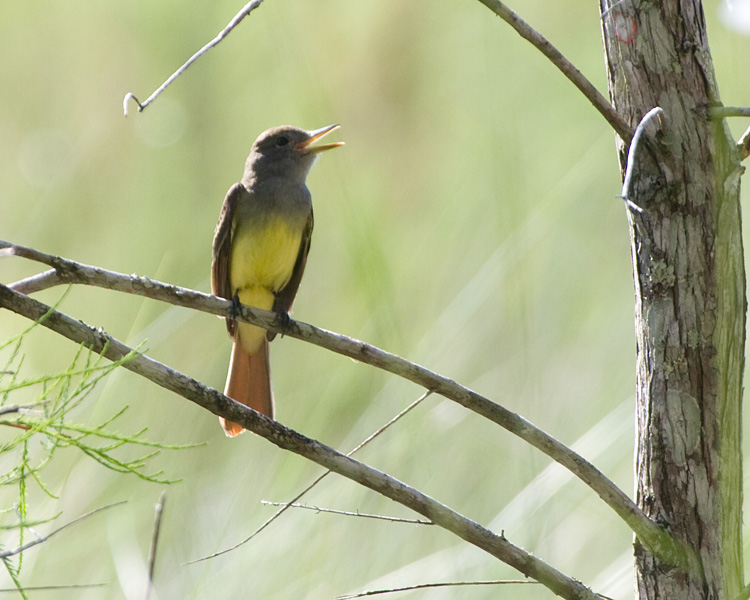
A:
x: 282, y: 141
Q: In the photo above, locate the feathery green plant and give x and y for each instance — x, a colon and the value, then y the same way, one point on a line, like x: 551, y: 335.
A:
x: 45, y: 426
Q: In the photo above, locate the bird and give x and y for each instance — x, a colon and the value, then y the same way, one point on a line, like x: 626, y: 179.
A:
x: 260, y: 249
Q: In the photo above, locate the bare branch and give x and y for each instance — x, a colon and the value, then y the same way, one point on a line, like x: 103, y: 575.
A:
x: 390, y: 423
x: 246, y: 10
x: 348, y: 513
x: 289, y: 504
x: 542, y: 44
x: 158, y: 512
x: 42, y: 588
x: 285, y: 438
x: 38, y: 282
x: 44, y: 538
x: 722, y: 112
x: 20, y: 408
x: 423, y: 586
x: 649, y: 533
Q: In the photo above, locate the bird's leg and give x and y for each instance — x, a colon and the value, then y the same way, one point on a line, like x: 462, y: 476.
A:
x: 284, y: 320
x: 236, y: 306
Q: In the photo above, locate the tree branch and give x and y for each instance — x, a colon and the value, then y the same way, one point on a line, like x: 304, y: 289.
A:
x: 722, y: 112
x: 44, y: 538
x: 347, y: 513
x: 246, y: 10
x: 287, y: 439
x: 158, y: 514
x: 38, y: 282
x: 46, y: 588
x: 423, y: 586
x: 290, y: 503
x: 648, y: 532
x: 542, y: 44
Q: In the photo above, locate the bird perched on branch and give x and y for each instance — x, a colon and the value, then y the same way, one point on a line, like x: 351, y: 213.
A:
x: 260, y: 249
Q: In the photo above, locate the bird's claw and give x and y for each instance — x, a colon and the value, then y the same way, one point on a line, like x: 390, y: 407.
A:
x: 284, y: 321
x: 236, y: 306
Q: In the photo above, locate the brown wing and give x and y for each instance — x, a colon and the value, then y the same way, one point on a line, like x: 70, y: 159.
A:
x: 285, y: 296
x: 222, y: 249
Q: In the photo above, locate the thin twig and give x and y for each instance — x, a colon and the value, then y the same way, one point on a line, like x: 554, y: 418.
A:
x: 568, y: 69
x: 158, y: 512
x: 42, y: 588
x: 38, y: 282
x: 16, y: 425
x: 347, y: 513
x: 20, y: 408
x: 288, y: 439
x: 246, y: 10
x: 320, y: 478
x: 722, y: 112
x: 423, y: 586
x: 649, y: 533
x: 42, y: 539
x: 390, y: 423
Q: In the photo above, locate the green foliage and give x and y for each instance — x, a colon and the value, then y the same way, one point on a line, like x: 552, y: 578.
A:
x: 45, y: 428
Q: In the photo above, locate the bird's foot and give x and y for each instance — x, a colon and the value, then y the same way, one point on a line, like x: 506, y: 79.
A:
x: 284, y: 320
x: 236, y: 307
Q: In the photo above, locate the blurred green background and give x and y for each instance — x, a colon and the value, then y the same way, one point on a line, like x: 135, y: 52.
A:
x: 470, y: 224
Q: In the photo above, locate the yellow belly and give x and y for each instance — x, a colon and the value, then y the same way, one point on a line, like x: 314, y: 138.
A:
x: 262, y: 263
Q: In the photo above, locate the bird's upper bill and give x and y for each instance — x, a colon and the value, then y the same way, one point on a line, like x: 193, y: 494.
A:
x: 316, y: 134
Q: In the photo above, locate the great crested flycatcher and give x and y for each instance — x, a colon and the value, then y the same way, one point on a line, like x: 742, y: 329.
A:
x: 260, y: 249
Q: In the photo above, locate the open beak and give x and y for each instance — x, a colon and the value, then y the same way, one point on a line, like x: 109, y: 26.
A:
x: 316, y: 135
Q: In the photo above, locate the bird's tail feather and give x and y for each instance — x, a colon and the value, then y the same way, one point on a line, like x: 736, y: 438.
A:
x: 249, y: 383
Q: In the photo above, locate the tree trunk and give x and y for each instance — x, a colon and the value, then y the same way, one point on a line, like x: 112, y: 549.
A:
x: 689, y: 295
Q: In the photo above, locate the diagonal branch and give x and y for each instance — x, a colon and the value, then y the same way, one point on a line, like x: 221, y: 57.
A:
x: 290, y: 503
x: 44, y: 538
x: 158, y: 514
x: 246, y: 10
x: 347, y: 513
x: 287, y: 439
x: 424, y: 586
x: 648, y: 532
x: 38, y: 282
x: 542, y: 44
x: 46, y: 588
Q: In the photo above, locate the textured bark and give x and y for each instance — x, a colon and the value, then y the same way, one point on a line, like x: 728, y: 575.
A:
x: 689, y: 295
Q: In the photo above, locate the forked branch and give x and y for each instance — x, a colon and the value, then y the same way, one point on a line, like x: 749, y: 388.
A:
x: 649, y: 533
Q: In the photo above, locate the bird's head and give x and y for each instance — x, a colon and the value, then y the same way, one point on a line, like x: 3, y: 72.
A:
x: 287, y: 152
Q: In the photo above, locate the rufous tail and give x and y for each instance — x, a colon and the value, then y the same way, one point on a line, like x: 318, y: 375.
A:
x: 249, y: 383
